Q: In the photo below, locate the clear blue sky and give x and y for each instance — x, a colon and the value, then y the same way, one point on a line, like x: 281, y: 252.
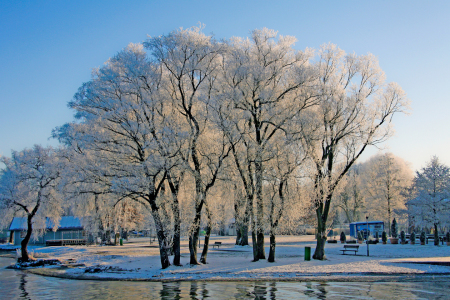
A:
x: 48, y: 48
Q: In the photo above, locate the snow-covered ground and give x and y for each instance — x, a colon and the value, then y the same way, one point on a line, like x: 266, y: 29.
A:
x: 138, y: 260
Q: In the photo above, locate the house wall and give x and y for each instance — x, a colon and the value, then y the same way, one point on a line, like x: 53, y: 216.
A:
x: 20, y: 235
x: 64, y: 234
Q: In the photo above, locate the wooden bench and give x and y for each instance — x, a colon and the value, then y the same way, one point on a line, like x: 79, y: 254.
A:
x: 217, y: 244
x: 353, y: 248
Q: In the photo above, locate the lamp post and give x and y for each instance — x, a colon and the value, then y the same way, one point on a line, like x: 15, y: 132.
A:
x: 367, y: 240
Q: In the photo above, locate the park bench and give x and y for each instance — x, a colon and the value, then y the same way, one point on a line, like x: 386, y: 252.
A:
x: 353, y: 248
x: 217, y: 244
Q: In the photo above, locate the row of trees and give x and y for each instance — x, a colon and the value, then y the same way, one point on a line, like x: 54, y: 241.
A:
x: 377, y: 188
x: 385, y: 188
x: 429, y: 204
x: 165, y: 122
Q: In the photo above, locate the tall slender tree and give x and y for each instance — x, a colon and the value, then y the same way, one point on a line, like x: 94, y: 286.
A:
x: 266, y: 83
x: 355, y: 110
x: 189, y: 61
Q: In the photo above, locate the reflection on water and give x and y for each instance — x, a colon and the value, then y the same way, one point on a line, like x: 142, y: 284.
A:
x: 24, y: 294
x: 20, y: 285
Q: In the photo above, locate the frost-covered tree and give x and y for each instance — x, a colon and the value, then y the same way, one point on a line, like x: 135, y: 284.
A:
x: 266, y: 83
x: 279, y: 177
x: 125, y: 134
x: 386, y: 177
x: 29, y: 188
x: 189, y: 61
x: 351, y: 196
x: 431, y: 204
x: 355, y: 110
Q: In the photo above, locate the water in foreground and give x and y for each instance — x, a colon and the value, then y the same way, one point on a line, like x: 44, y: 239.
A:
x: 20, y: 285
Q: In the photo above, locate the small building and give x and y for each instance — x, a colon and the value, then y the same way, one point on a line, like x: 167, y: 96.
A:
x: 374, y: 228
x: 231, y: 228
x: 69, y: 232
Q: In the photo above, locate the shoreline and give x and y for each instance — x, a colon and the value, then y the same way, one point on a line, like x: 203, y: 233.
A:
x: 351, y: 277
x: 136, y: 261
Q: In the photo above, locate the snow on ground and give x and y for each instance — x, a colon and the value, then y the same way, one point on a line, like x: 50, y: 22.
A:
x: 138, y: 260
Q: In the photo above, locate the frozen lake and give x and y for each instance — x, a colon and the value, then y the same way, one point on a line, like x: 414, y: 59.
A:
x: 19, y: 285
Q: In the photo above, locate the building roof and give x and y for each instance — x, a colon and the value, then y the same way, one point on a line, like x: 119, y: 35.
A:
x: 68, y: 222
x: 365, y: 222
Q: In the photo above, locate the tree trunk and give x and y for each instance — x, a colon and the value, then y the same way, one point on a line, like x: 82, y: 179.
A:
x: 195, y: 232
x: 253, y: 224
x: 319, y: 253
x: 237, y: 219
x: 261, y: 253
x: 255, y: 247
x: 436, y: 235
x: 176, y: 231
x: 193, y: 241
x: 207, y: 235
x: 272, y: 247
x: 321, y: 237
x: 254, y: 244
x: 177, y: 243
x: 389, y: 219
x: 206, y: 244
x: 165, y: 263
x: 24, y: 244
x: 174, y: 185
x: 245, y: 222
x: 162, y: 241
x: 243, y: 234
x: 238, y: 233
x: 274, y: 218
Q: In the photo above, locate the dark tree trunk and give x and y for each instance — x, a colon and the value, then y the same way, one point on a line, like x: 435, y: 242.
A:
x: 254, y: 244
x: 165, y: 263
x: 194, y: 235
x: 243, y: 234
x: 206, y: 244
x: 237, y: 222
x: 272, y: 248
x: 319, y: 253
x: 207, y: 235
x: 274, y: 218
x: 436, y: 235
x: 176, y: 243
x: 261, y: 253
x: 162, y: 241
x: 26, y: 240
x: 160, y: 233
x: 245, y: 222
x: 238, y: 233
x: 174, y: 187
x: 193, y: 241
x: 322, y: 215
x: 260, y: 242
